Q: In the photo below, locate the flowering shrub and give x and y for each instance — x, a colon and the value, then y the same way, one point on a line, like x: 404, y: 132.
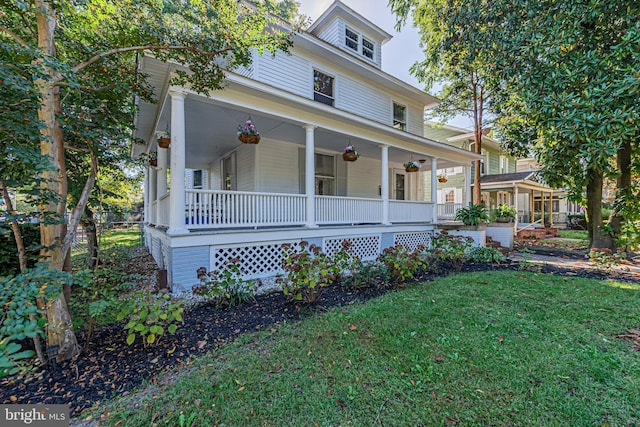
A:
x: 225, y: 287
x: 450, y: 250
x: 401, y: 263
x: 248, y: 128
x: 307, y: 271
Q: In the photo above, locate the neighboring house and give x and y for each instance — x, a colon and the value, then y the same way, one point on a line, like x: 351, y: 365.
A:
x: 228, y: 200
x: 504, y: 180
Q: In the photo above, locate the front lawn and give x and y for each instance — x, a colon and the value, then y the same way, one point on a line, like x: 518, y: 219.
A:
x: 489, y: 348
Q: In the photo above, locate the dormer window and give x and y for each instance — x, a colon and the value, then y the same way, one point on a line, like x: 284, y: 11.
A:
x: 351, y: 39
x: 357, y: 43
x: 367, y: 48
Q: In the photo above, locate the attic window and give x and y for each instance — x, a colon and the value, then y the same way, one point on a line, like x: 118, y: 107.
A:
x: 322, y: 88
x: 367, y: 48
x: 351, y: 39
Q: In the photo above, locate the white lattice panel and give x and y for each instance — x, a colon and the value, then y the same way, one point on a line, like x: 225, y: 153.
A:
x: 256, y: 260
x: 364, y: 247
x: 412, y: 240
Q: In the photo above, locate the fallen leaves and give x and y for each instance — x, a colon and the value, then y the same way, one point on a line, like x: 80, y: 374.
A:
x: 632, y: 335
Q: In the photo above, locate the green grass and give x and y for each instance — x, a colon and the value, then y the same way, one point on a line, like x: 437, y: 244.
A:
x: 573, y: 234
x: 491, y: 348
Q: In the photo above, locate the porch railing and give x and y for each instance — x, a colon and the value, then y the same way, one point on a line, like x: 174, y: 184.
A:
x: 163, y: 213
x: 410, y: 211
x: 347, y: 210
x: 219, y: 209
x: 448, y: 210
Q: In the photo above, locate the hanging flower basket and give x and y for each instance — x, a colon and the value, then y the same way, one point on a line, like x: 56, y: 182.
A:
x: 350, y: 154
x: 442, y: 179
x: 249, y: 139
x: 412, y: 166
x: 164, y: 141
x: 247, y: 132
x: 153, y: 162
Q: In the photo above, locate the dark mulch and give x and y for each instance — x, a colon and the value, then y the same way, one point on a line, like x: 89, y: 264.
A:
x: 110, y: 367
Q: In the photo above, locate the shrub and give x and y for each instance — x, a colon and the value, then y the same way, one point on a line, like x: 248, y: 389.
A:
x: 307, y: 271
x: 604, y: 259
x: 367, y: 272
x: 150, y: 316
x: 486, y: 255
x: 473, y: 215
x: 450, y: 250
x: 21, y: 316
x: 401, y: 263
x: 226, y: 287
x: 9, y: 264
x: 505, y: 211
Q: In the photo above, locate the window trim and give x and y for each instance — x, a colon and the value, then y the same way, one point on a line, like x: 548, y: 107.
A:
x: 360, y: 41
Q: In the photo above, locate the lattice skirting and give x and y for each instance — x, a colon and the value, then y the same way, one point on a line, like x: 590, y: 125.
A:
x: 364, y: 247
x: 261, y: 260
x: 412, y: 240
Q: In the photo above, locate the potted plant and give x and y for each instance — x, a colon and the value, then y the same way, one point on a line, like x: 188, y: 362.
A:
x: 164, y: 140
x: 505, y: 213
x: 473, y: 215
x: 412, y: 166
x: 442, y: 178
x: 247, y: 132
x: 350, y: 154
x: 150, y: 158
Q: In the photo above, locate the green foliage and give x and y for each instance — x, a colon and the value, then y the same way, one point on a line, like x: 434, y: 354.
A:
x: 505, y: 211
x: 401, y: 263
x: 9, y: 253
x: 450, y: 250
x: 473, y: 215
x: 604, y: 259
x: 226, y: 287
x: 486, y: 255
x: 307, y: 271
x: 150, y: 316
x: 367, y: 272
x: 21, y: 318
x: 630, y: 236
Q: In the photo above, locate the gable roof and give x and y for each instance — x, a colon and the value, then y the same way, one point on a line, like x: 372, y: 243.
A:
x: 509, y: 177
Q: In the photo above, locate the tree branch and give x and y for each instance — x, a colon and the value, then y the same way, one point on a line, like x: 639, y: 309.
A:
x: 89, y: 88
x: 14, y: 36
x: 102, y: 55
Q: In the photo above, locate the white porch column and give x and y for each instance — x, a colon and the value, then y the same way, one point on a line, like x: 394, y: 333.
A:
x: 309, y: 175
x: 384, y: 184
x: 551, y: 208
x: 467, y: 185
x: 152, y: 195
x: 177, y: 198
x: 434, y: 188
x: 161, y: 179
x: 515, y: 206
x: 145, y: 196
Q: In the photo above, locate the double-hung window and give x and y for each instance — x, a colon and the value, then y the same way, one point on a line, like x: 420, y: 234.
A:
x: 399, y: 116
x: 325, y: 174
x: 367, y: 48
x: 358, y: 43
x: 351, y: 39
x: 322, y: 88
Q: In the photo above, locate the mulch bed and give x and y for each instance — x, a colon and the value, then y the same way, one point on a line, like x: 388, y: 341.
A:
x: 110, y: 367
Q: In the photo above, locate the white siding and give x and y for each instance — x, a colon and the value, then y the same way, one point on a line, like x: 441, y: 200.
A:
x: 363, y: 178
x: 215, y: 174
x: 245, y: 167
x: 364, y: 100
x: 331, y: 33
x: 287, y: 72
x: 278, y: 167
x: 415, y: 119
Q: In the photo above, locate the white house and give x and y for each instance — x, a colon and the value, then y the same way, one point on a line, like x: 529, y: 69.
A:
x: 211, y: 198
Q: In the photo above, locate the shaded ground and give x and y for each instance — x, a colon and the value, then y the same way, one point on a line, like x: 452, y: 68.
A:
x: 110, y: 367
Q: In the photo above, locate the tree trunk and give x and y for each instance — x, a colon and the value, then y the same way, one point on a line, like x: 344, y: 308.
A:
x: 89, y: 227
x: 597, y: 236
x: 59, y: 326
x: 623, y: 188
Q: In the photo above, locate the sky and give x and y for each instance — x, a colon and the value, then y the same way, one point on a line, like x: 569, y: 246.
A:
x: 398, y: 54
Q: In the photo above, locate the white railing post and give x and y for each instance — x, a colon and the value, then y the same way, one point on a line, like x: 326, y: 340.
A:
x: 515, y: 205
x: 309, y: 176
x: 384, y: 185
x: 177, y: 197
x: 434, y: 189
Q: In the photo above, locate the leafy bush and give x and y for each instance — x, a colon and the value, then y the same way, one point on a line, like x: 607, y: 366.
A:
x: 401, y: 263
x: 225, y: 287
x: 450, y: 250
x: 342, y: 261
x: 9, y: 264
x: 21, y: 316
x: 150, y: 316
x: 307, y: 271
x: 486, y: 255
x: 505, y: 211
x: 367, y: 272
x: 604, y: 259
x: 473, y: 215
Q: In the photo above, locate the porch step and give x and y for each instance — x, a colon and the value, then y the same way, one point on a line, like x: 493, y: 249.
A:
x: 490, y: 243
